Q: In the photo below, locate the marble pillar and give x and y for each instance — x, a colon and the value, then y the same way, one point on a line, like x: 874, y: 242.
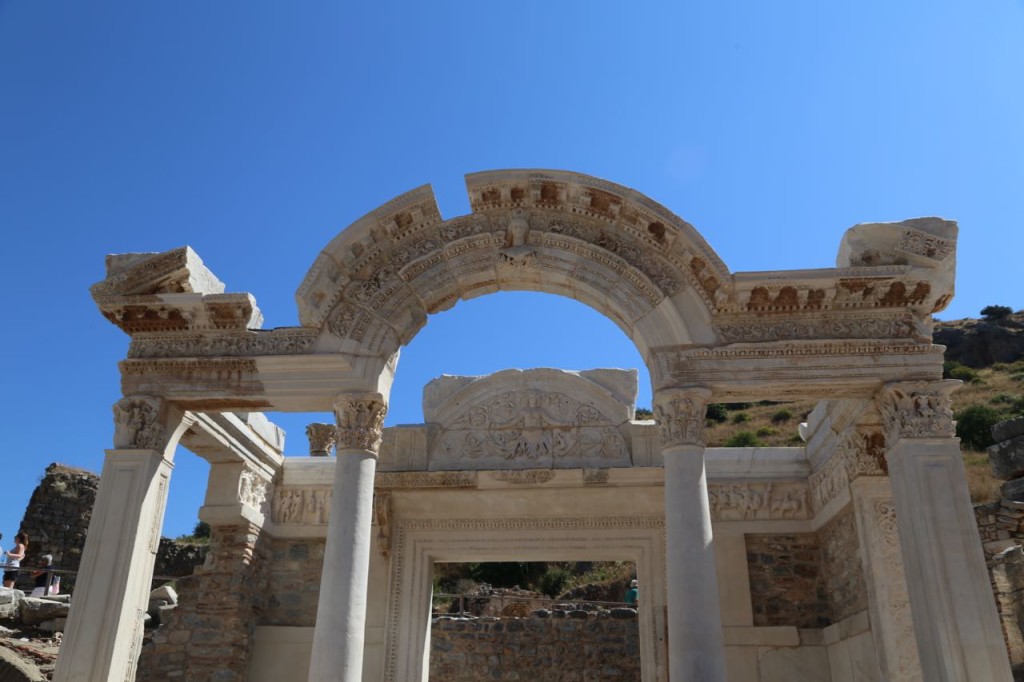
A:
x: 695, y: 645
x: 955, y: 620
x: 104, y: 630
x: 341, y: 612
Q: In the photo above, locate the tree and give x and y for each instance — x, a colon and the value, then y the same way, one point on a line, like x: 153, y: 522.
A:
x: 995, y: 312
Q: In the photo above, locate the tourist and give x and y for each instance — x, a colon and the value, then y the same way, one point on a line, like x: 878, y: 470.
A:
x: 42, y: 577
x: 14, y: 557
x: 632, y: 594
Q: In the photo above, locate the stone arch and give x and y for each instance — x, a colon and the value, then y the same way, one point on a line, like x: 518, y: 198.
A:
x: 372, y: 287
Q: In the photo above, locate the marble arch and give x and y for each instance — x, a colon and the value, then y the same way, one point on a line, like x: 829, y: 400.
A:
x: 880, y: 456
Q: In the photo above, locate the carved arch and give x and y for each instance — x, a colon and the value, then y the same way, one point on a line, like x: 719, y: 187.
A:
x: 373, y: 286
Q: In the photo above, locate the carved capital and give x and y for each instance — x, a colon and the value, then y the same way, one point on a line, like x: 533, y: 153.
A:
x: 140, y: 423
x: 253, y: 489
x: 360, y: 422
x: 918, y: 409
x: 321, y: 439
x: 680, y: 415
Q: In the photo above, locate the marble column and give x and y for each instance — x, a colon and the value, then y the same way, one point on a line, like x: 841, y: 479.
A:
x: 695, y: 646
x: 341, y: 612
x: 955, y: 620
x: 104, y: 631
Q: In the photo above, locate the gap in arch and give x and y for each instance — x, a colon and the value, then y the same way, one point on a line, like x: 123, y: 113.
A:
x: 510, y: 330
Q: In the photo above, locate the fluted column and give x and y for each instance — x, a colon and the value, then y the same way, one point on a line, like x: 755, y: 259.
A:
x: 341, y: 612
x: 104, y: 630
x: 695, y: 646
x: 955, y: 620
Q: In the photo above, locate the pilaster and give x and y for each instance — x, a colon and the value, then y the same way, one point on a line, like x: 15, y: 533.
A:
x: 104, y: 631
x: 955, y: 619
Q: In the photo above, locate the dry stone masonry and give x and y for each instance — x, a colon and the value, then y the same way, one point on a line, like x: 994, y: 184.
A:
x: 869, y: 519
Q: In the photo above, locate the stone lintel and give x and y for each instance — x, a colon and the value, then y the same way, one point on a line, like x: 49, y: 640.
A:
x: 797, y: 369
x: 294, y: 383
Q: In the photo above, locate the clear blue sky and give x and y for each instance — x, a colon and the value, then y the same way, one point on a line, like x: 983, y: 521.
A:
x: 255, y: 131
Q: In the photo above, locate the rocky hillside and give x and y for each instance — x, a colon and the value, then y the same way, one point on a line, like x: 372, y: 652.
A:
x: 996, y: 338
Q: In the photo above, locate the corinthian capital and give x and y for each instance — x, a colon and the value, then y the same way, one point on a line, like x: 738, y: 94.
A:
x: 139, y: 423
x: 680, y: 415
x: 918, y: 409
x: 360, y: 422
x: 321, y: 438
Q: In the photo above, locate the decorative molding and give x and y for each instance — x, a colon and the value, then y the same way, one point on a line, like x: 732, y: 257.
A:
x: 139, y: 424
x: 425, y: 479
x: 360, y: 423
x: 814, y: 326
x: 680, y: 414
x: 918, y: 409
x: 857, y: 452
x: 382, y: 519
x: 923, y: 244
x: 322, y: 438
x: 287, y: 341
x: 758, y: 501
x: 521, y: 477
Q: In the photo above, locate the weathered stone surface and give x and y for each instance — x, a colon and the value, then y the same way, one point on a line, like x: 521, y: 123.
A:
x: 164, y: 593
x: 1013, y: 490
x: 1007, y: 457
x: 34, y: 611
x: 1011, y: 428
x: 537, y: 649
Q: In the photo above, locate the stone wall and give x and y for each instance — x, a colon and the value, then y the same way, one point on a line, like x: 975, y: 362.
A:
x: 786, y: 587
x: 57, y: 516
x: 210, y: 633
x: 293, y: 579
x: 535, y: 649
x: 842, y: 570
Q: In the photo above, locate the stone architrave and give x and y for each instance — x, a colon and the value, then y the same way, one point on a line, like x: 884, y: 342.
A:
x: 696, y: 649
x: 341, y: 612
x: 104, y: 631
x: 958, y: 633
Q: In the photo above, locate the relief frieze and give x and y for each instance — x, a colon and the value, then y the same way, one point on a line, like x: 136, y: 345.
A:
x: 295, y: 341
x: 758, y: 501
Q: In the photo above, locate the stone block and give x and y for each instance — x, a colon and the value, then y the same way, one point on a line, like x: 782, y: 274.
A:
x: 1008, y: 429
x: 807, y: 664
x: 35, y: 611
x: 1007, y: 458
x: 165, y: 593
x: 9, y: 595
x: 1013, y: 490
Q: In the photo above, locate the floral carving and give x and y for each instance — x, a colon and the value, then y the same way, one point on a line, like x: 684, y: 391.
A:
x: 927, y: 245
x: 138, y: 425
x: 680, y: 415
x: 857, y: 453
x: 533, y: 427
x: 321, y: 439
x: 918, y: 410
x: 360, y: 423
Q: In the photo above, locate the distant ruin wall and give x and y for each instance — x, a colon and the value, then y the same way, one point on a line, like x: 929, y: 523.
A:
x: 537, y: 649
x: 57, y: 516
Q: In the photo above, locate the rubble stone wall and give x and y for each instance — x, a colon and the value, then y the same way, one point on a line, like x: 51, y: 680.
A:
x: 786, y: 586
x: 536, y: 649
x: 842, y: 570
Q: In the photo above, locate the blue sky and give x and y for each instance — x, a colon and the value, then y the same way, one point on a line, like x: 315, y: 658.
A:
x: 255, y: 131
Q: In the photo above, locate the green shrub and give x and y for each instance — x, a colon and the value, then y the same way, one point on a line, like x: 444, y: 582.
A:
x: 951, y: 369
x: 743, y: 439
x: 716, y: 412
x: 737, y: 406
x: 974, y: 425
x: 642, y: 413
x: 553, y: 582
x: 782, y: 416
x: 995, y: 312
x: 766, y: 431
x: 740, y: 418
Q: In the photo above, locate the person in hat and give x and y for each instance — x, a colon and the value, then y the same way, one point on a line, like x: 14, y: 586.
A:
x: 42, y: 577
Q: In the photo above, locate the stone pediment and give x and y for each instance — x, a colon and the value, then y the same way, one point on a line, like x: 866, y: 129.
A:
x: 539, y: 418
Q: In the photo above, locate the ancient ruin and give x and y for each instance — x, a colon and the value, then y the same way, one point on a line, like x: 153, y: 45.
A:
x: 320, y: 566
